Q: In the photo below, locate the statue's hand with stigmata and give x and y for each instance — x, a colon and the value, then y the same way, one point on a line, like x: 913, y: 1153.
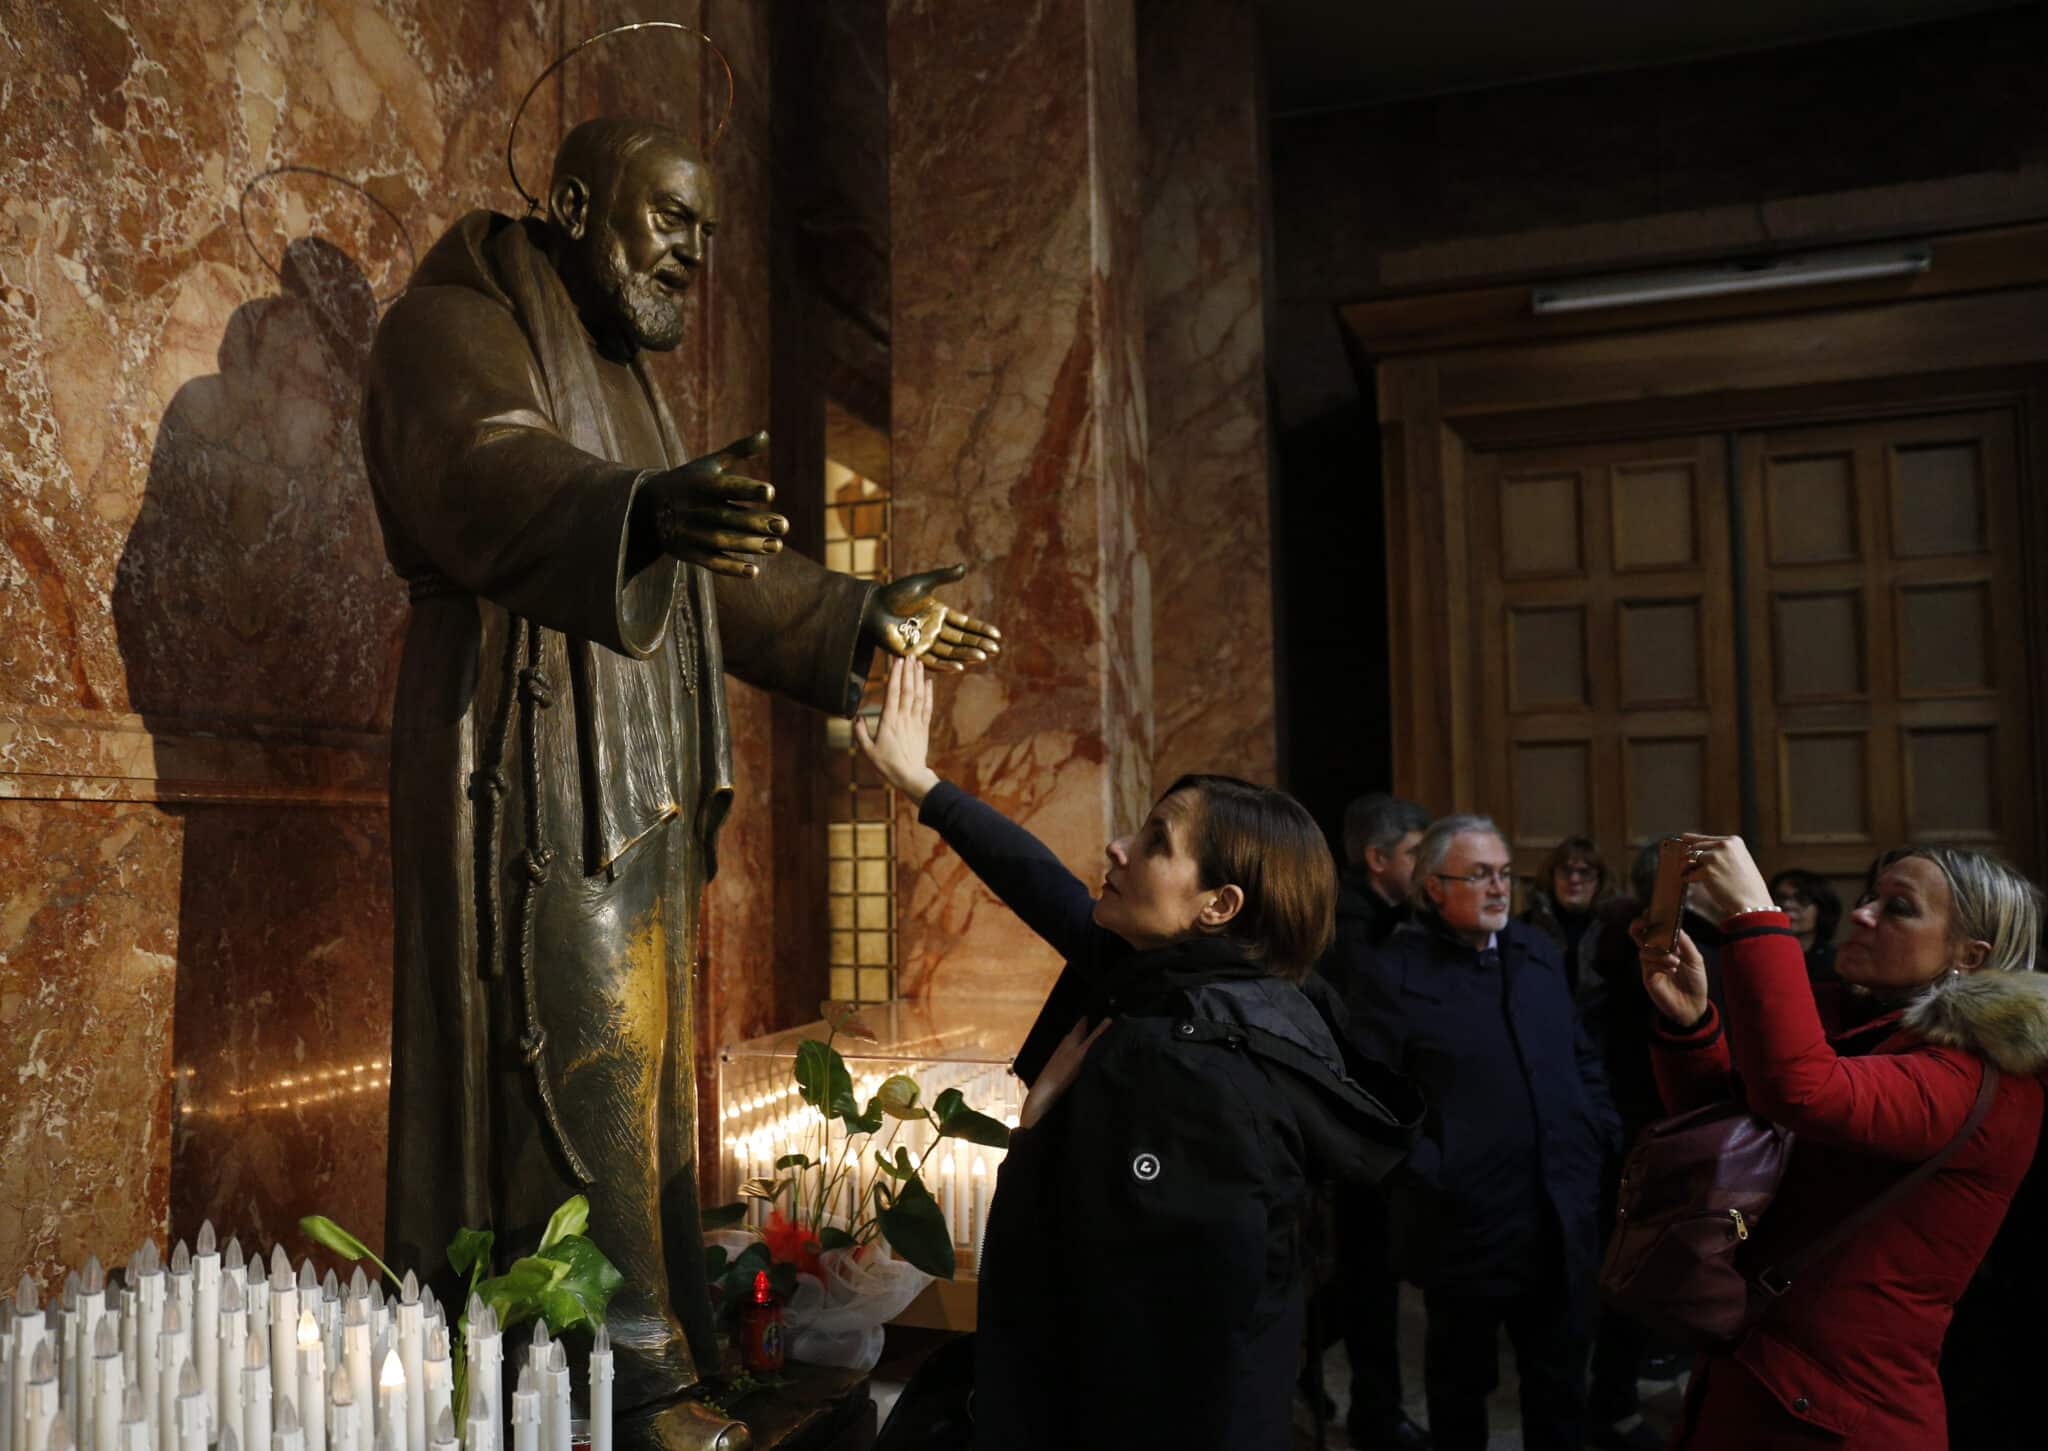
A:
x: 906, y: 618
x: 707, y: 514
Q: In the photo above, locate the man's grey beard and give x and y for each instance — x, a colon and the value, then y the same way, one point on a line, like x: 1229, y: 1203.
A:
x: 651, y: 315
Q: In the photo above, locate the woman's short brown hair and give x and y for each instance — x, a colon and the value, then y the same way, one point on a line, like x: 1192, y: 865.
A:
x: 1265, y: 843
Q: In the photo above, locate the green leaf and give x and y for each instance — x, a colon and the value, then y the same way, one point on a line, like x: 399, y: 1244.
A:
x: 782, y: 1280
x: 515, y: 1295
x: 793, y: 1161
x: 822, y: 1079
x: 976, y: 1128
x: 833, y: 1237
x: 916, y: 1229
x: 580, y: 1294
x: 572, y: 1218
x: 845, y: 1021
x: 469, y: 1249
x: 882, y: 1163
x: 947, y: 1104
x: 869, y: 1121
x: 715, y: 1259
x: 322, y: 1230
x: 898, y: 1097
x: 723, y: 1216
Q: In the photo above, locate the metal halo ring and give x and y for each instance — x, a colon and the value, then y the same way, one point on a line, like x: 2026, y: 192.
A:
x: 512, y: 132
x: 276, y: 269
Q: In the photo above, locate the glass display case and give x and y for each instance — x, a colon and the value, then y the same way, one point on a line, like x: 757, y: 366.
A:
x: 942, y: 1043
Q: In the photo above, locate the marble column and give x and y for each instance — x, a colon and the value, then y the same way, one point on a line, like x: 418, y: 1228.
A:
x: 1019, y: 439
x: 1210, y: 536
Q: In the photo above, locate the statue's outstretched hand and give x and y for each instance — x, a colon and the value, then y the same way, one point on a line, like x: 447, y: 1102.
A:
x: 902, y: 737
x: 906, y: 619
x: 711, y: 516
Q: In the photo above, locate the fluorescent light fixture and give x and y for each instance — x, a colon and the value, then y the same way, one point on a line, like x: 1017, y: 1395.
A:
x: 1815, y: 269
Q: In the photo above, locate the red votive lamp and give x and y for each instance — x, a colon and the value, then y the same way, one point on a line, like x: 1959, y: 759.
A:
x: 761, y: 1342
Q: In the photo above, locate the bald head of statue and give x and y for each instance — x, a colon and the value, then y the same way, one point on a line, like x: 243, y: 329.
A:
x: 631, y: 207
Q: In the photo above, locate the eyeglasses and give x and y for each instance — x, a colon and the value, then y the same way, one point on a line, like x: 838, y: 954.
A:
x: 1497, y: 876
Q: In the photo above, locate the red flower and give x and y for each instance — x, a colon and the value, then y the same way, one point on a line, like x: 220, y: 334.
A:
x: 792, y: 1243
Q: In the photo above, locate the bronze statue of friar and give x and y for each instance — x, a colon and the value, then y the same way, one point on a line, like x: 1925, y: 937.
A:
x: 561, y: 753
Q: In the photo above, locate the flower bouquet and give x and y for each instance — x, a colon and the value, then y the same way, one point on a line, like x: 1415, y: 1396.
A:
x: 836, y: 1208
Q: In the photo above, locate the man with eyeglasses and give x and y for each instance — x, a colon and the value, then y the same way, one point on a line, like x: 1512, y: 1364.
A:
x: 1498, y: 1220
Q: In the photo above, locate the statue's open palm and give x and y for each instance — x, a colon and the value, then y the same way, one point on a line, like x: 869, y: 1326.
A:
x: 909, y: 620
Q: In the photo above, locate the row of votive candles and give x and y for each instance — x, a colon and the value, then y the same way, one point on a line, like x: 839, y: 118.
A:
x: 761, y: 1129
x: 210, y: 1352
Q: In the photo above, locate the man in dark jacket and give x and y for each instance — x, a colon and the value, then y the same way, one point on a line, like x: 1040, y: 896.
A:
x: 1497, y: 1217
x: 1363, y: 1304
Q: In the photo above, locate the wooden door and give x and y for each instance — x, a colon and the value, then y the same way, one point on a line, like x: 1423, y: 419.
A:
x: 1888, y: 691
x: 1607, y: 684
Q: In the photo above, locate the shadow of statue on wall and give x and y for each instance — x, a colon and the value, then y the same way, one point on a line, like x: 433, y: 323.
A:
x: 259, y: 626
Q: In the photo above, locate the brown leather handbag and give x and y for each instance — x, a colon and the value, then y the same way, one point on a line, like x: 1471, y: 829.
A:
x: 1693, y: 1189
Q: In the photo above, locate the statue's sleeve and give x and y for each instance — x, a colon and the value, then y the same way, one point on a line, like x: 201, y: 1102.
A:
x: 795, y: 629
x: 480, y: 486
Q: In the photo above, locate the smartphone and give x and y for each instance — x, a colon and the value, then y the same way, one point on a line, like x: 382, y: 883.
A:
x: 1667, y: 902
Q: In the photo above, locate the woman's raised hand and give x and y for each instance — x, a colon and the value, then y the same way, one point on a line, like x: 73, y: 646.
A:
x: 1676, y: 981
x: 1721, y: 869
x: 902, y: 737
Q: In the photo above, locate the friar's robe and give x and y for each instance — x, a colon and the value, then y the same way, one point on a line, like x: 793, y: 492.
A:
x: 546, y: 938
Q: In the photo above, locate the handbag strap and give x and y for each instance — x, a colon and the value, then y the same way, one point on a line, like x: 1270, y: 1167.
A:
x: 1777, y: 1279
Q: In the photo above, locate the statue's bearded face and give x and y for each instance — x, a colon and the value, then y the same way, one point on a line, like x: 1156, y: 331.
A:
x: 645, y: 245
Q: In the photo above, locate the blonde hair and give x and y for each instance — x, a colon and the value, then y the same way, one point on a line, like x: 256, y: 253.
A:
x: 1988, y: 902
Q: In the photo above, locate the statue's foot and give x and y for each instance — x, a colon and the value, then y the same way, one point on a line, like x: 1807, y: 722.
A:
x: 680, y: 1425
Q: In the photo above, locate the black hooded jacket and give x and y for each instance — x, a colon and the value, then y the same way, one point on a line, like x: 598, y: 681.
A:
x: 1140, y: 1278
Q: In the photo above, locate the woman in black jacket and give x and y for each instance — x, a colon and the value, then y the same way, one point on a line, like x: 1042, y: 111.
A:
x: 1140, y: 1279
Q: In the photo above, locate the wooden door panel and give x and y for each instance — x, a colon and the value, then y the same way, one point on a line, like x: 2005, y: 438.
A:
x: 1884, y: 600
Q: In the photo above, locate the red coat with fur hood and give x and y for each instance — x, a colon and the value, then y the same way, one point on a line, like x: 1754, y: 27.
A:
x: 1850, y: 1356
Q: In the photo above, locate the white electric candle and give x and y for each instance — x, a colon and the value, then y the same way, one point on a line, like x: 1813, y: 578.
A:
x: 234, y: 1336
x: 131, y: 1319
x: 380, y: 1312
x: 66, y: 1316
x: 173, y: 1349
x: 289, y: 1435
x: 284, y: 1329
x: 28, y: 1333
x: 478, y: 1432
x: 526, y: 1411
x: 442, y: 1437
x: 437, y: 1377
x: 191, y: 1407
x: 256, y: 1385
x: 362, y: 1374
x: 109, y: 1379
x: 555, y: 1398
x: 149, y: 1323
x: 256, y: 1295
x: 206, y: 1279
x: 60, y: 1435
x: 343, y: 1427
x: 312, y: 1396
x: 601, y: 1372
x: 949, y: 1197
x: 487, y: 1368
x: 39, y: 1396
x: 412, y: 1354
x: 181, y: 1291
x: 330, y: 1319
x: 134, y: 1420
x: 392, y: 1416
x: 6, y: 1373
x: 979, y: 1174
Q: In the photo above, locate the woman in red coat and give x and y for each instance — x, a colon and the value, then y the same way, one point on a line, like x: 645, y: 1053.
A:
x: 1850, y: 1355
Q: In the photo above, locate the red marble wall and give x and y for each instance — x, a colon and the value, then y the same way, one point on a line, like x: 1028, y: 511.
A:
x: 1210, y: 528
x: 198, y: 630
x: 1019, y: 438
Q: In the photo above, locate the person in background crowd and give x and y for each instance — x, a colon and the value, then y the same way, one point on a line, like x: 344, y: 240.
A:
x: 1140, y: 1277
x: 1847, y: 1356
x: 1496, y: 1216
x: 1562, y: 902
x: 1814, y: 911
x: 1364, y: 1302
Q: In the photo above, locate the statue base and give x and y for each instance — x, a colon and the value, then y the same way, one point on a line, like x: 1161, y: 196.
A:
x: 816, y: 1408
